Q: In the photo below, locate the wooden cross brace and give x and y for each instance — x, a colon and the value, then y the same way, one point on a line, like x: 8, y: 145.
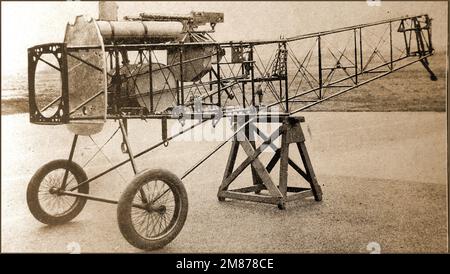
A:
x: 290, y: 132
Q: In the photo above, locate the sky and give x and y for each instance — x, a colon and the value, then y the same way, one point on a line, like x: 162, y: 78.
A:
x: 25, y: 24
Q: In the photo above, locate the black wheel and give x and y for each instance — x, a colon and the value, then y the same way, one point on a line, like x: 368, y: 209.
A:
x: 152, y: 209
x: 44, y: 200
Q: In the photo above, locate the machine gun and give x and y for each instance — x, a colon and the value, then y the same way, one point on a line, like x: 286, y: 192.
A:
x: 190, y: 21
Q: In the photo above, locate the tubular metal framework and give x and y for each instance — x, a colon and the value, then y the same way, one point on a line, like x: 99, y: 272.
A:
x: 291, y: 74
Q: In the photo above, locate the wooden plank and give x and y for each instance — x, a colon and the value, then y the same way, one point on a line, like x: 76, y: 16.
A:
x: 296, y: 119
x: 299, y: 195
x: 255, y: 177
x: 250, y: 188
x: 249, y: 197
x: 296, y: 189
x: 256, y: 152
x: 294, y: 133
x: 259, y: 167
x: 252, y: 157
x: 230, y: 163
x: 284, y: 157
x: 310, y: 171
x: 299, y: 170
x: 265, y: 138
x: 236, y: 173
x: 273, y: 161
x: 250, y: 134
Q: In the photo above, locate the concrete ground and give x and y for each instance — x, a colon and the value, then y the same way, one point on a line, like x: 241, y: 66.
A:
x: 384, y: 178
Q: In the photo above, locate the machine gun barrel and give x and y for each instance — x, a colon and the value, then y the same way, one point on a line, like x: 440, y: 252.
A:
x: 164, y: 17
x: 194, y: 19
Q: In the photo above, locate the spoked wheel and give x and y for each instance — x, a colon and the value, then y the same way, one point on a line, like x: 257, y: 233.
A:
x: 152, y: 209
x: 44, y: 198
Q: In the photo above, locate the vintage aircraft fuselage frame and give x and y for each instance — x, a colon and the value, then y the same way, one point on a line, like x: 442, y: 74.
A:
x: 240, y: 77
x: 241, y: 86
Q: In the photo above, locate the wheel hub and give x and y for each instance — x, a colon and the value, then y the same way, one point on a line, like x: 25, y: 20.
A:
x: 54, y: 190
x: 161, y: 209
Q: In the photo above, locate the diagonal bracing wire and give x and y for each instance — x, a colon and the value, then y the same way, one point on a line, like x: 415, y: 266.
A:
x: 338, y: 61
x: 166, y: 79
x: 134, y: 79
x: 301, y: 65
x: 100, y: 148
x: 107, y: 158
x: 263, y: 74
x: 305, y: 77
x: 375, y: 50
x: 235, y: 77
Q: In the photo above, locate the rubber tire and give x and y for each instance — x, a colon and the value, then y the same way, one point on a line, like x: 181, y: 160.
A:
x: 33, y: 189
x: 124, y: 208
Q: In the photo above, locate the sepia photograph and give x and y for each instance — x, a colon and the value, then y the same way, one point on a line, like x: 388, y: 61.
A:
x: 262, y: 127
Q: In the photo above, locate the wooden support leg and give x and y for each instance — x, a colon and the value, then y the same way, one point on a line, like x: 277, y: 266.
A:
x: 260, y: 168
x: 284, y: 157
x: 252, y: 159
x: 231, y: 159
x: 255, y: 178
x: 315, y: 187
x: 229, y: 168
x: 274, y: 160
x: 290, y: 132
x: 250, y: 135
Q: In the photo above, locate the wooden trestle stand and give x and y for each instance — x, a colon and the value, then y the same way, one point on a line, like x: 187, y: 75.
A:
x: 290, y: 132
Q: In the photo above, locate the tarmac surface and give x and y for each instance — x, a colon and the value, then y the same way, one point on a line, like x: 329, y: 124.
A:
x: 383, y: 177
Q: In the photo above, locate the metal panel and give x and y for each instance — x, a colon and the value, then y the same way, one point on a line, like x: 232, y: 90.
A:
x: 87, y: 85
